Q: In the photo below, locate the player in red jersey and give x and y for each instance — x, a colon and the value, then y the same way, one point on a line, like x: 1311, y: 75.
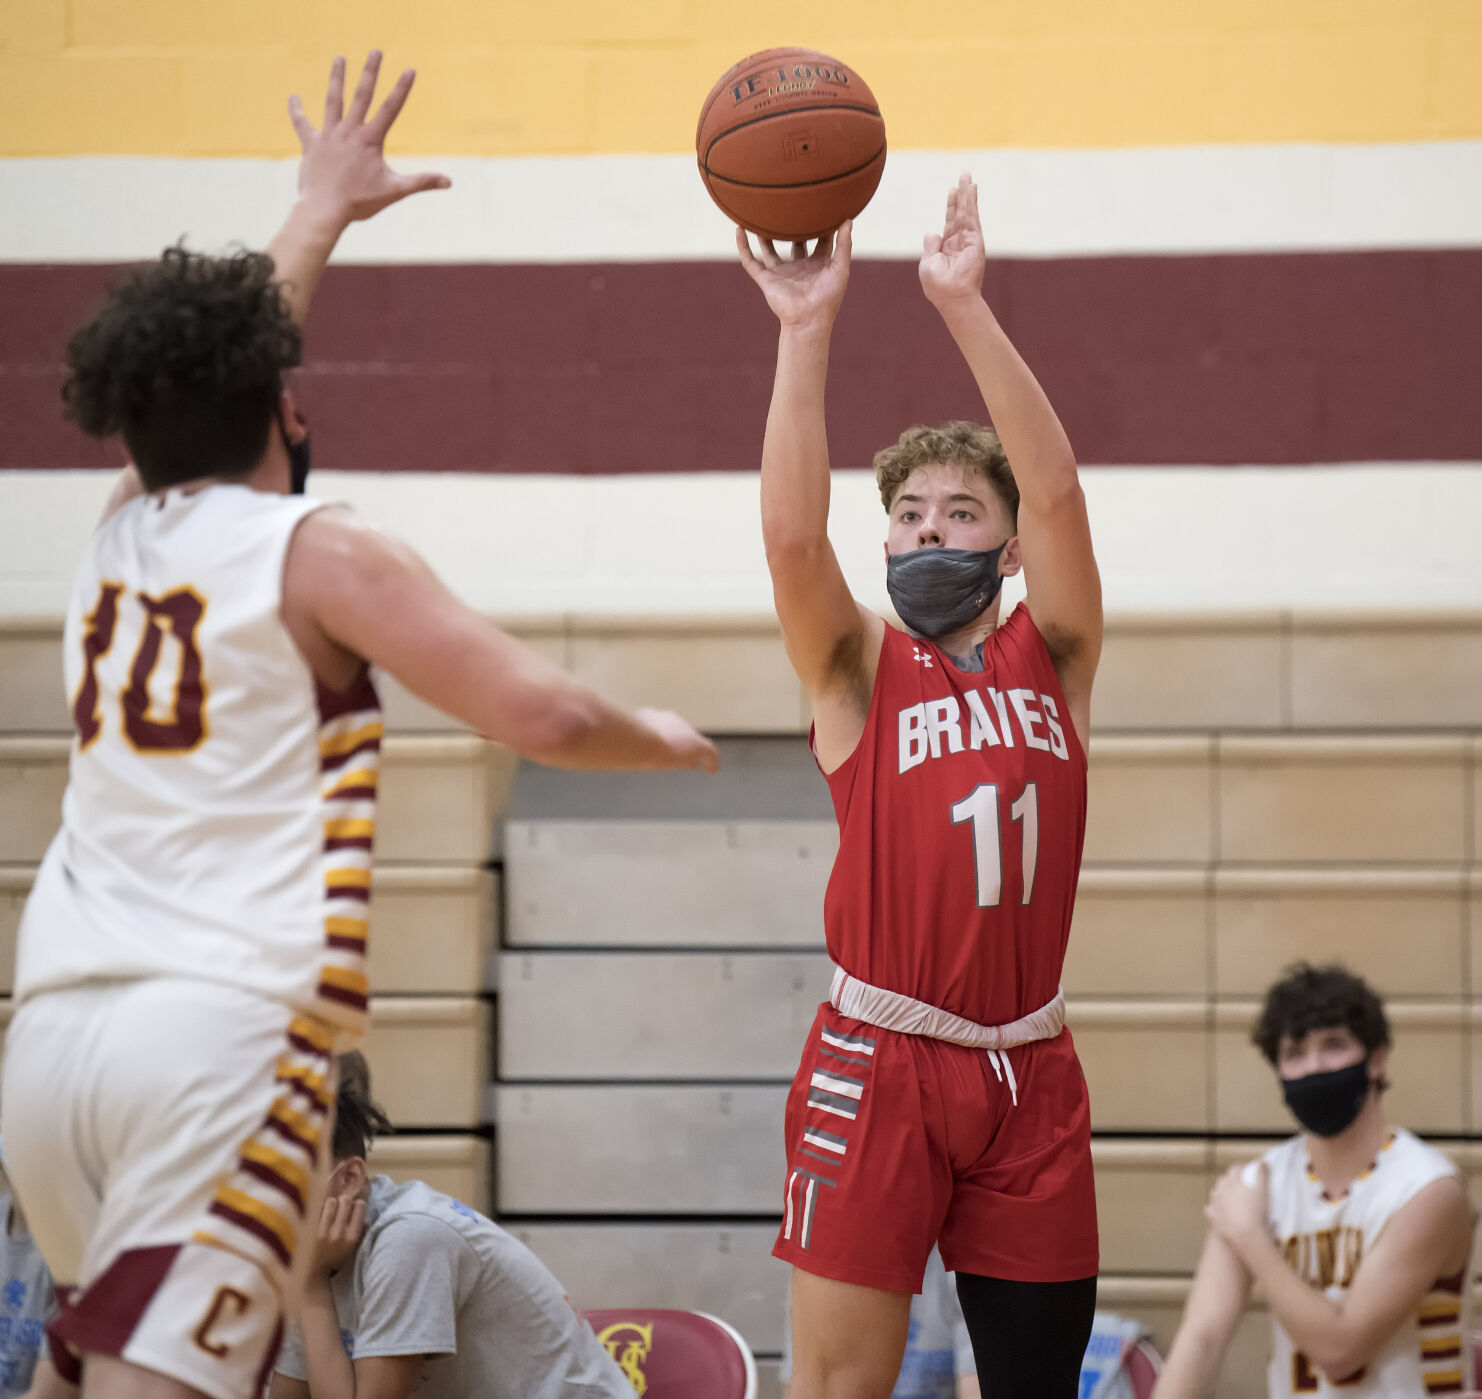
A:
x: 939, y: 1096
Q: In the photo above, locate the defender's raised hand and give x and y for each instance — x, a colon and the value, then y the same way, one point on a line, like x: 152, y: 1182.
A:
x: 805, y: 288
x: 952, y: 261
x: 344, y: 171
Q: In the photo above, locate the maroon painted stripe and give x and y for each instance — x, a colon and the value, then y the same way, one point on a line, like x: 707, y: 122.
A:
x: 349, y: 891
x: 1242, y: 358
x: 344, y: 944
x: 353, y: 794
x: 289, y: 1135
x: 298, y: 1088
x: 271, y: 1177
x: 308, y: 1047
x: 253, y: 1227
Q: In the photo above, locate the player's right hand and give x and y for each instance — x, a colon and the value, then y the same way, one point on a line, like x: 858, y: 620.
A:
x: 344, y: 171
x: 688, y: 748
x: 804, y: 289
x: 341, y: 1223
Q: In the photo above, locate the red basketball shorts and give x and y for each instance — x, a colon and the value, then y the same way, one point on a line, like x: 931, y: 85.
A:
x: 896, y: 1142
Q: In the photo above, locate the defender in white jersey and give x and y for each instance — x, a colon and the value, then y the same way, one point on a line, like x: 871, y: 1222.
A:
x: 193, y: 952
x: 1360, y: 1234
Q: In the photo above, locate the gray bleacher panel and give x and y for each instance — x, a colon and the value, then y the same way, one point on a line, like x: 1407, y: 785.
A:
x: 656, y: 1015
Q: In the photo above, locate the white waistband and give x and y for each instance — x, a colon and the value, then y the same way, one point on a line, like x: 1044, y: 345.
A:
x: 890, y: 1010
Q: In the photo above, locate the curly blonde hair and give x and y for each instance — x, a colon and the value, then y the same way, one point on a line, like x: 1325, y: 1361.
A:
x: 958, y: 443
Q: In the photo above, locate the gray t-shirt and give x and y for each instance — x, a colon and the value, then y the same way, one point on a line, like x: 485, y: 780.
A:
x: 25, y: 1305
x: 434, y: 1278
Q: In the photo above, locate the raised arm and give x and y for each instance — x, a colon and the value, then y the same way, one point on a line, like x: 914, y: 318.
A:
x: 1054, y: 533
x: 832, y: 642
x: 1217, y: 1300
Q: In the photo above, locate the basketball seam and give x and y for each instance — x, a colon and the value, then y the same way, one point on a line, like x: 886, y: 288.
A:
x: 790, y: 112
x: 800, y: 184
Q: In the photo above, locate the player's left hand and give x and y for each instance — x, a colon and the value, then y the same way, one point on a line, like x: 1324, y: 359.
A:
x: 1237, y: 1211
x: 344, y: 172
x: 341, y: 1223
x: 953, y: 260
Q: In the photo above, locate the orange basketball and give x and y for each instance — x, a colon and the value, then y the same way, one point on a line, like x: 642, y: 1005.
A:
x: 790, y: 143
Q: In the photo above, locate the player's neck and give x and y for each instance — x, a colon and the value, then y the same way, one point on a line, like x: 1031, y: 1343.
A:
x: 962, y: 645
x: 1341, y: 1160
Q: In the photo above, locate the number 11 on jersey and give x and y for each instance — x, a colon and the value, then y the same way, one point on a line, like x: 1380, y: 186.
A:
x: 980, y: 807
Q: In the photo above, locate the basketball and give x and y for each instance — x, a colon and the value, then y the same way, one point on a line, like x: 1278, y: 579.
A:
x: 790, y: 143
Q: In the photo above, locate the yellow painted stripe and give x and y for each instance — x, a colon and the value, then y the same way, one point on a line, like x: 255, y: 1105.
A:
x: 361, y: 777
x: 347, y: 829
x: 1441, y: 1311
x: 251, y: 1206
x: 525, y: 77
x: 346, y: 979
x: 317, y: 1034
x: 348, y: 879
x: 347, y: 928
x: 1439, y: 1378
x: 310, y: 1082
x: 344, y: 743
x: 280, y: 1164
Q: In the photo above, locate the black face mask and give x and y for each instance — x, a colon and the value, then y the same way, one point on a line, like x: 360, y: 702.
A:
x: 298, y: 460
x: 937, y: 591
x: 1328, y: 1104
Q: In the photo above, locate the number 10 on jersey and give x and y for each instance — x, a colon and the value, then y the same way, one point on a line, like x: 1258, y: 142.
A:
x: 980, y: 808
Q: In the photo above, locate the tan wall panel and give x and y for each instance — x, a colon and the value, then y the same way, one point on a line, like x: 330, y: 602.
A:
x: 1400, y: 929
x: 1474, y: 913
x: 737, y: 683
x: 1147, y: 1064
x: 457, y: 1166
x: 430, y: 1059
x: 1418, y: 673
x: 1150, y: 1203
x: 1325, y: 800
x: 15, y: 886
x: 1139, y: 934
x: 33, y: 776
x: 1150, y: 802
x: 32, y: 699
x: 1475, y: 811
x: 1474, y: 1054
x: 439, y: 798
x: 1208, y: 673
x: 1427, y: 1068
x: 432, y: 930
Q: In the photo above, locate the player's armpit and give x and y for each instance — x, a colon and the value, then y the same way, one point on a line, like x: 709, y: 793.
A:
x: 1422, y: 1243
x: 1217, y: 1299
x: 387, y: 1376
x: 832, y: 642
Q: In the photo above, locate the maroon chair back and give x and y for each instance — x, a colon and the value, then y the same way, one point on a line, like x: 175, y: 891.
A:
x: 670, y: 1354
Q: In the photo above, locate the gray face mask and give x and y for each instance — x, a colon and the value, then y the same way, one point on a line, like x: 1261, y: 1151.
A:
x: 937, y: 591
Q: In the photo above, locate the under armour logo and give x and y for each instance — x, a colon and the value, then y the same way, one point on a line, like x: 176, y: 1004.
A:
x: 923, y: 656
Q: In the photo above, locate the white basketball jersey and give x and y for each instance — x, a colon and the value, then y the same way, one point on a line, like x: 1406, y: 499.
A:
x: 220, y: 805
x: 1325, y: 1240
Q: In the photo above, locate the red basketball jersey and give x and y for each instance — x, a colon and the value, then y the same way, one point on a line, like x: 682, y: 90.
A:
x: 962, y: 814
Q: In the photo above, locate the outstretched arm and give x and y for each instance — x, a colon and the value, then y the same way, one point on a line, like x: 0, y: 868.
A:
x: 1054, y: 533
x: 832, y: 642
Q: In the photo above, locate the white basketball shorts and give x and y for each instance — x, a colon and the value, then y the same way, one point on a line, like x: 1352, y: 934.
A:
x: 165, y: 1138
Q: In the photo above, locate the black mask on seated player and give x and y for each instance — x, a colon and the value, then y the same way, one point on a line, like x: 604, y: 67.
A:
x: 298, y: 458
x: 937, y: 591
x: 1328, y: 1104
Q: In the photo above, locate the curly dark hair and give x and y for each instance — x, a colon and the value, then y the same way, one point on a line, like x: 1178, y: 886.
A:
x: 1318, y: 998
x: 358, y: 1119
x: 186, y: 360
